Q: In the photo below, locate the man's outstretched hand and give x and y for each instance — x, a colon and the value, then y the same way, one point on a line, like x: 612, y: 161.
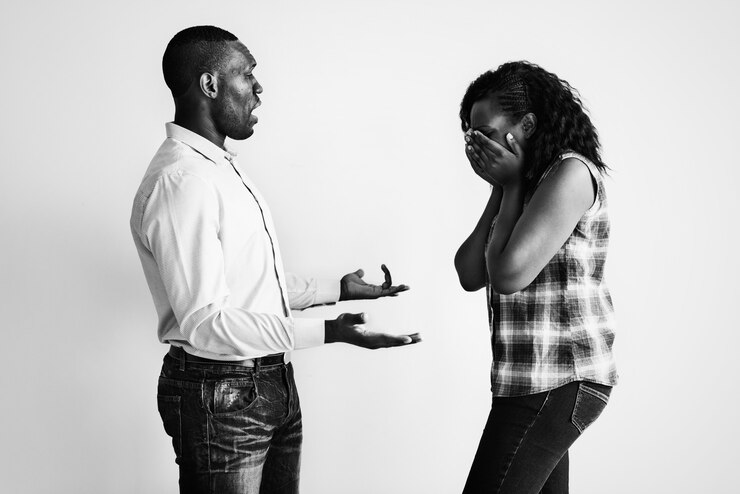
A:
x: 348, y: 328
x: 353, y: 287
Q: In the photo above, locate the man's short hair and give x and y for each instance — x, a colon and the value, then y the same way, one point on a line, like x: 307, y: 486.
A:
x: 191, y: 52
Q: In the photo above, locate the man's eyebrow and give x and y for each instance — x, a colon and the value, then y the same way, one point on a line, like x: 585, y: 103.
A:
x: 485, y: 127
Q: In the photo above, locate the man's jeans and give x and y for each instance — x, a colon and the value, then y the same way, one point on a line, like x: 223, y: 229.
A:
x: 524, y: 447
x: 234, y: 429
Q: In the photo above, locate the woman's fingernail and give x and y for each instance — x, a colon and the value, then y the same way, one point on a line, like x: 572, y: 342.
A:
x: 470, y: 148
x: 467, y: 138
x: 510, y: 137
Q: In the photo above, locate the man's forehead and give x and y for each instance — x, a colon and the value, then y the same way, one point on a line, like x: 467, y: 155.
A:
x: 240, y: 54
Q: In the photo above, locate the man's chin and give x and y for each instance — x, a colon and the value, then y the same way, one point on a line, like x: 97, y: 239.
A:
x: 242, y: 134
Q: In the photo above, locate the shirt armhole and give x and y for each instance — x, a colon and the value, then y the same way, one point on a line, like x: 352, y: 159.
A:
x: 593, y: 172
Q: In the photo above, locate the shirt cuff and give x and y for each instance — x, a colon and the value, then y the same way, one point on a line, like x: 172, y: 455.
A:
x: 308, y: 333
x: 327, y: 291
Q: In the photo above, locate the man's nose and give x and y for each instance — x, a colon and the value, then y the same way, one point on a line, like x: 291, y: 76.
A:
x: 257, y: 88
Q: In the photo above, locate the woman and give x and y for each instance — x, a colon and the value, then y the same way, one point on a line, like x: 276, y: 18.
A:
x: 539, y: 249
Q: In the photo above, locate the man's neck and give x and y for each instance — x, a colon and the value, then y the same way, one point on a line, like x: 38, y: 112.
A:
x: 195, y: 122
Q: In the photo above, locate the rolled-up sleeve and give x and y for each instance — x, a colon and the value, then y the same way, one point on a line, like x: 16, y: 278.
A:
x: 180, y: 227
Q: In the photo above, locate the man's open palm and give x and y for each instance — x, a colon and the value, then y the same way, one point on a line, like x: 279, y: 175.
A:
x: 353, y: 287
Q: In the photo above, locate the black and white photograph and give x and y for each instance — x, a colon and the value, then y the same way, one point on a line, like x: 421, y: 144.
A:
x: 370, y: 247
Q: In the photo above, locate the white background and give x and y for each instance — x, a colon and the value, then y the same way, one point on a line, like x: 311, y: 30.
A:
x: 359, y: 152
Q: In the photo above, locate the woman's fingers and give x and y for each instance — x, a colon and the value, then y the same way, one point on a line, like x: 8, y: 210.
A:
x: 488, y: 146
x: 514, y: 144
x: 475, y: 159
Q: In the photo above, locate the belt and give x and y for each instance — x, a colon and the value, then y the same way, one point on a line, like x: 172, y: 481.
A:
x: 180, y: 354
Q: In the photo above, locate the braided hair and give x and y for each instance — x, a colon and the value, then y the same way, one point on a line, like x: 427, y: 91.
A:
x: 562, y: 123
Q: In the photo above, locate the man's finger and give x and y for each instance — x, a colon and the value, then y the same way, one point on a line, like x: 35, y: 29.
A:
x: 375, y: 340
x: 403, y: 339
x: 415, y: 337
x: 389, y: 340
x: 388, y: 281
x: 354, y: 318
x: 393, y: 290
x: 360, y: 273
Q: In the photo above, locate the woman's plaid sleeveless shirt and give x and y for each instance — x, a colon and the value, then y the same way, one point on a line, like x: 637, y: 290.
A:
x: 560, y: 328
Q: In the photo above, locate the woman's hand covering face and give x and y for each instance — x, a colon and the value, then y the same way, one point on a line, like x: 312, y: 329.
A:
x: 492, y: 161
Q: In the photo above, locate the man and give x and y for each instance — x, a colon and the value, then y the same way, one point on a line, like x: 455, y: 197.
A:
x: 209, y: 251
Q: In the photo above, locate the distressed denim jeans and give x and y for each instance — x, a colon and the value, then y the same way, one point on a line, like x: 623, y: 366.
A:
x: 234, y: 429
x: 524, y: 446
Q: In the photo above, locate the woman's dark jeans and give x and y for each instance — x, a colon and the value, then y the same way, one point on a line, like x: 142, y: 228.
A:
x: 234, y: 429
x: 524, y: 447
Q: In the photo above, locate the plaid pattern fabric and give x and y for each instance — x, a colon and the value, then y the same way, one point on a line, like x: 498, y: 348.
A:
x: 560, y: 328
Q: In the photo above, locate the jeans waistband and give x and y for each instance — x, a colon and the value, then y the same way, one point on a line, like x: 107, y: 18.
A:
x: 180, y: 354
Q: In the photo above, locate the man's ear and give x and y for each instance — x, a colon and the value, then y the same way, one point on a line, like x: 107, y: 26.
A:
x: 209, y: 84
x: 529, y: 124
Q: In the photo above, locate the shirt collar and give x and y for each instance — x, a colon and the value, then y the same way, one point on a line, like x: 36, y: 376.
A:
x: 200, y: 144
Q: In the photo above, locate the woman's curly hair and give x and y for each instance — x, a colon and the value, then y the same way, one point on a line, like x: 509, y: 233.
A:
x: 562, y: 123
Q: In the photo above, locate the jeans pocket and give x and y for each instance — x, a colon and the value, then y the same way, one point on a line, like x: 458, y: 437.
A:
x: 169, y: 410
x: 233, y: 396
x: 591, y: 400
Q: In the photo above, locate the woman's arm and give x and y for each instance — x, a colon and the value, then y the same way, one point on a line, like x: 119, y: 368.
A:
x: 470, y: 260
x: 524, y: 242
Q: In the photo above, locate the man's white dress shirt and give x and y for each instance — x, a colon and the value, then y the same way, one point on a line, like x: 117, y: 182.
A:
x: 209, y: 250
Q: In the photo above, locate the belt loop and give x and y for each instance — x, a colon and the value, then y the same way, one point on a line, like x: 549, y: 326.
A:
x: 257, y: 363
x: 181, y: 358
x: 254, y: 381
